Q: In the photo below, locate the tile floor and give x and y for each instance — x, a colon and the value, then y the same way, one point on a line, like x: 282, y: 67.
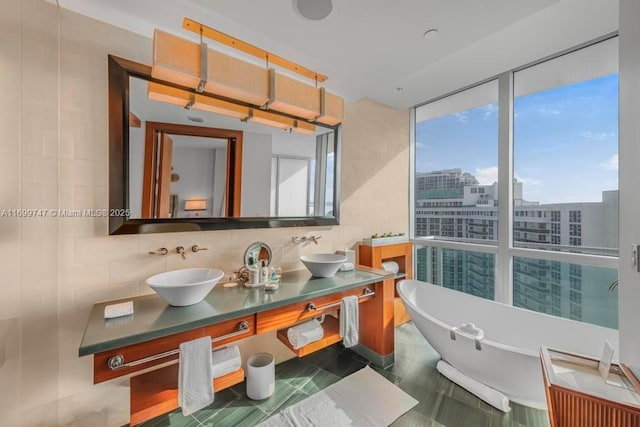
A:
x: 442, y: 403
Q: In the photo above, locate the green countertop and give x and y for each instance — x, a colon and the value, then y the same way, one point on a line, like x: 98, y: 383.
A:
x: 154, y: 318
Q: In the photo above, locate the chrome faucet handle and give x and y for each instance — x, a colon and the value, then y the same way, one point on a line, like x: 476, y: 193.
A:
x: 161, y: 251
x: 180, y: 250
x: 296, y: 239
x: 315, y: 239
x: 196, y: 248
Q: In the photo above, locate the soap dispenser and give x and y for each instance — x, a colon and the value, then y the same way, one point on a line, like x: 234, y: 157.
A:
x: 264, y: 273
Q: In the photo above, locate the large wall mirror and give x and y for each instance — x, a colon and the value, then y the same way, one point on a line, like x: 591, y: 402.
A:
x: 173, y: 168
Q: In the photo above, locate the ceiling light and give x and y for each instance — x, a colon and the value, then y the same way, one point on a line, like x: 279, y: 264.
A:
x: 331, y: 108
x: 159, y: 92
x: 314, y: 10
x: 269, y: 119
x: 213, y: 105
x: 431, y: 34
x: 304, y: 128
x: 189, y: 64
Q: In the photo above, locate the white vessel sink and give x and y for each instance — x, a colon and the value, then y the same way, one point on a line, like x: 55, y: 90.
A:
x: 185, y: 287
x: 323, y: 265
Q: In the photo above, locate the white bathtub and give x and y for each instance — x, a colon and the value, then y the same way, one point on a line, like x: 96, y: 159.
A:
x: 509, y: 357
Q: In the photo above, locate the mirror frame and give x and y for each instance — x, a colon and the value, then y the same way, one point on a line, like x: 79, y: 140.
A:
x: 120, y: 70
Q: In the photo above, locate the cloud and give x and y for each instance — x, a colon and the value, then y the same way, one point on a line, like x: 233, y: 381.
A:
x: 611, y: 164
x: 597, y: 136
x: 419, y: 145
x: 490, y: 110
x: 462, y: 117
x: 548, y: 111
x: 486, y: 176
x: 528, y: 181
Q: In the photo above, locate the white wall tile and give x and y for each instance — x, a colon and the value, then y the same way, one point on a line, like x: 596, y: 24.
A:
x: 57, y: 268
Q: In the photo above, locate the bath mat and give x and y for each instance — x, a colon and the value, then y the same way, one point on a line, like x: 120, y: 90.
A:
x: 364, y: 398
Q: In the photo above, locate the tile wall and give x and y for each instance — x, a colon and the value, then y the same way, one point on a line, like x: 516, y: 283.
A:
x: 53, y: 155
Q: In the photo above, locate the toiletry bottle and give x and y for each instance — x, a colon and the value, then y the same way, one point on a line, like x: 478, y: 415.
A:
x: 253, y: 277
x: 264, y: 273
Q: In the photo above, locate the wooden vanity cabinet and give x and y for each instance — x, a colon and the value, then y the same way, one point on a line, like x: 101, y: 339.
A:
x: 143, y: 348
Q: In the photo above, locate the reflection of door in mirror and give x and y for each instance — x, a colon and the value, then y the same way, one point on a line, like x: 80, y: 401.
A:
x: 190, y: 171
x: 290, y: 186
x: 163, y: 179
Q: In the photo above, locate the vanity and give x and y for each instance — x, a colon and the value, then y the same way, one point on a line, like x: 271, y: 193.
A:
x: 183, y: 159
x: 142, y: 346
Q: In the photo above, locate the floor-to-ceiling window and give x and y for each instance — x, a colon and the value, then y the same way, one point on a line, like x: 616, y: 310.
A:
x: 456, y: 163
x: 559, y: 252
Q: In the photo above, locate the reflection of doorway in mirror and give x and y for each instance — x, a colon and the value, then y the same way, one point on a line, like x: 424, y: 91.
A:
x: 290, y: 186
x: 202, y: 163
x: 190, y: 162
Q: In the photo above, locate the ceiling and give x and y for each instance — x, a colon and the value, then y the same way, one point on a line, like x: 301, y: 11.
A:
x: 369, y: 48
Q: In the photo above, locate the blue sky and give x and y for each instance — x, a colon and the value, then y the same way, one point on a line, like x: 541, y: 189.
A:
x: 565, y: 142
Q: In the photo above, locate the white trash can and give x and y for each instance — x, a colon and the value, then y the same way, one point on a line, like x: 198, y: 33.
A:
x: 261, y: 376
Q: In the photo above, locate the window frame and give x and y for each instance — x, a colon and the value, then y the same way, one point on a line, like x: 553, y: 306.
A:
x: 503, y: 250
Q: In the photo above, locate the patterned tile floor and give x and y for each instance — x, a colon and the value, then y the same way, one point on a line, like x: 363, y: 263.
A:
x: 442, y: 403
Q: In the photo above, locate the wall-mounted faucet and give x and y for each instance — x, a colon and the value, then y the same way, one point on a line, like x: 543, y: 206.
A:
x: 304, y: 239
x: 180, y: 250
x: 161, y: 251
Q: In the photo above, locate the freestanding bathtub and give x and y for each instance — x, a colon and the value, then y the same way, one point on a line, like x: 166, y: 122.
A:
x: 508, y: 358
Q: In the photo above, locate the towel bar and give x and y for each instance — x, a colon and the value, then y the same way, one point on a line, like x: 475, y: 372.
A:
x: 117, y: 362
x: 365, y: 293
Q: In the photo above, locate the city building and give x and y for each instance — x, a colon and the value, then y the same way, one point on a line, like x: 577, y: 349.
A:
x: 452, y: 205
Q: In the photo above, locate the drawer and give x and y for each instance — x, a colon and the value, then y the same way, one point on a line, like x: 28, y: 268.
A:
x: 283, y: 317
x: 131, y: 353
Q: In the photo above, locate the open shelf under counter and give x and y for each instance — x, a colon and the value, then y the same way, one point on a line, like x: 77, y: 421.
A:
x: 402, y: 254
x: 331, y: 327
x: 157, y: 394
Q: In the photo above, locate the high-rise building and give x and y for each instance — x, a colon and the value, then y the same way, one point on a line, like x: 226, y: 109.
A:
x: 452, y: 205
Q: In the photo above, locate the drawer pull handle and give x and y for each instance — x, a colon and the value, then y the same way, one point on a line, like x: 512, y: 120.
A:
x: 365, y: 294
x: 116, y: 362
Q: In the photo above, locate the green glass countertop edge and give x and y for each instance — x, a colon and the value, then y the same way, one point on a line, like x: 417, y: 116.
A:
x: 154, y: 318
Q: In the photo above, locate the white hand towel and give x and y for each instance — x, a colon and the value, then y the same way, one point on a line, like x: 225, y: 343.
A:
x: 347, y: 266
x: 391, y: 267
x: 305, y: 333
x: 349, y: 321
x: 491, y: 396
x: 195, y: 388
x: 226, y: 360
x: 118, y: 310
